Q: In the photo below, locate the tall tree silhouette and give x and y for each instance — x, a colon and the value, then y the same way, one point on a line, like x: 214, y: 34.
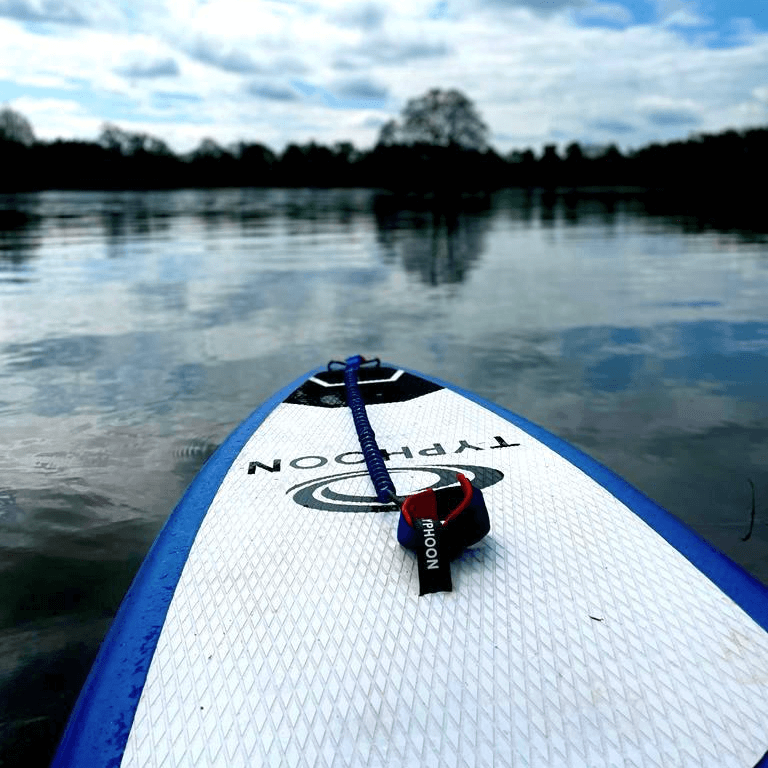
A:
x: 15, y: 127
x: 440, y: 145
x: 16, y: 141
x: 440, y: 118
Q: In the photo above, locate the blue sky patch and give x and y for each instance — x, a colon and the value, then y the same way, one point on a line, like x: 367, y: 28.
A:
x: 439, y: 10
x: 178, y: 104
x: 706, y: 23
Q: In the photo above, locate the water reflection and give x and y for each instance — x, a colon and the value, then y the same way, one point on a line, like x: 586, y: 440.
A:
x: 20, y: 237
x: 728, y: 358
x: 150, y: 324
x: 435, y: 241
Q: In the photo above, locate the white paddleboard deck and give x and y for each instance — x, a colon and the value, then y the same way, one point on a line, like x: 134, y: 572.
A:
x: 278, y: 622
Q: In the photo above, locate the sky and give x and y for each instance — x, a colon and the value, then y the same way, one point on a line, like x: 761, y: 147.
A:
x: 539, y: 72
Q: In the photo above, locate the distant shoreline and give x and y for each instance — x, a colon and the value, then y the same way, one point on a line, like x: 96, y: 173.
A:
x: 727, y: 164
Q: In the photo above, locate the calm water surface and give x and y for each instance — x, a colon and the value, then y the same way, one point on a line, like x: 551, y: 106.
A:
x: 136, y: 330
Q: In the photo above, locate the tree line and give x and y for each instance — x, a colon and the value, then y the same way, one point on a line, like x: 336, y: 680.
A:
x: 439, y: 145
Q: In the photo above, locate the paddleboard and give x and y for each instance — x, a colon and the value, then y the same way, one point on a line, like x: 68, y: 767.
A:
x: 277, y: 620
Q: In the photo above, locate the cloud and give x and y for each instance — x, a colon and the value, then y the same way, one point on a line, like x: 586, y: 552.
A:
x: 612, y: 126
x: 358, y: 93
x: 56, y: 117
x: 231, y: 59
x: 158, y: 68
x: 679, y: 13
x: 271, y: 92
x: 541, y: 6
x: 41, y: 10
x: 348, y: 64
x: 608, y: 13
x: 366, y: 16
x: 673, y: 117
x: 684, y: 18
x: 281, y: 66
x: 388, y: 52
x: 666, y: 112
x: 222, y: 57
x: 360, y: 89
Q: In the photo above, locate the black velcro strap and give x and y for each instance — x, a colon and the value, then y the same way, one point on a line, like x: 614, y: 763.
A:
x: 433, y: 559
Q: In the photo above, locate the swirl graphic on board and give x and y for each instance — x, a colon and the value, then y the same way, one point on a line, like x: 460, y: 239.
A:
x: 334, y: 493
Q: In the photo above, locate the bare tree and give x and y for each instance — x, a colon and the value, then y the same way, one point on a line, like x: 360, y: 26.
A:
x: 442, y: 118
x: 210, y: 149
x: 388, y: 133
x: 116, y: 139
x: 15, y: 127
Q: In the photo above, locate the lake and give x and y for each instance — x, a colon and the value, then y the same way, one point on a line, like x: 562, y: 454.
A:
x: 138, y: 329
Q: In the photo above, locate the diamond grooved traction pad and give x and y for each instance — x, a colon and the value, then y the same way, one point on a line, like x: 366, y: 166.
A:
x: 575, y: 635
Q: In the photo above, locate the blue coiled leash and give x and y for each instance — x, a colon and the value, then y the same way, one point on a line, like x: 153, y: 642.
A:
x: 382, y: 482
x: 436, y: 525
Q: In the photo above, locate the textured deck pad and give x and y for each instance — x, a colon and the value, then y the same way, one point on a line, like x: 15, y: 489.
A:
x: 575, y: 635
